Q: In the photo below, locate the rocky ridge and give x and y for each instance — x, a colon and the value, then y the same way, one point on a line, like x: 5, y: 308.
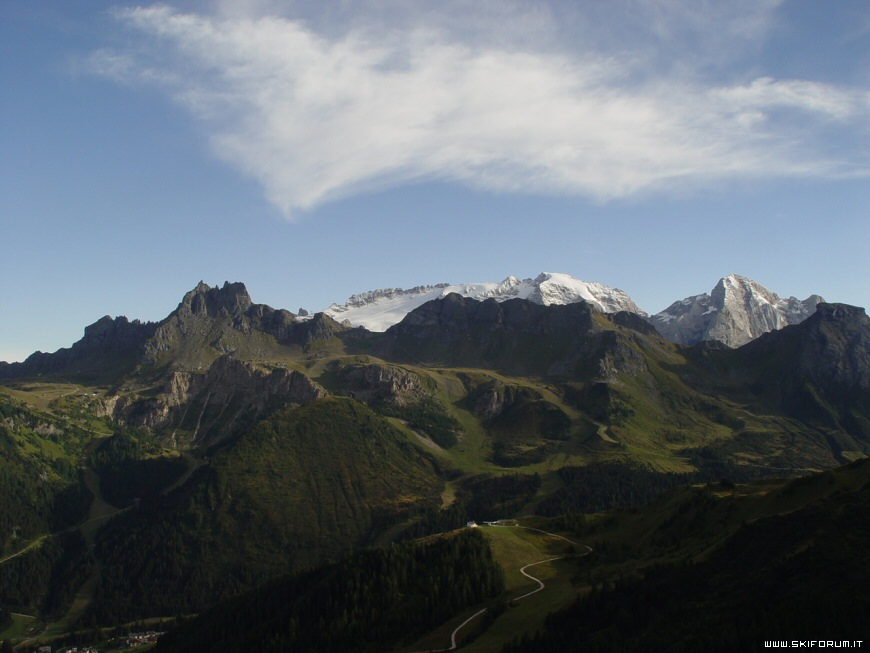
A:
x: 734, y: 313
x: 208, y: 408
x: 737, y: 311
x: 107, y: 343
x: 515, y: 336
x: 213, y: 321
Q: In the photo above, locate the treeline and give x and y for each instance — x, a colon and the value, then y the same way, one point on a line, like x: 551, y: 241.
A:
x: 369, y: 602
x: 800, y: 576
x: 481, y: 498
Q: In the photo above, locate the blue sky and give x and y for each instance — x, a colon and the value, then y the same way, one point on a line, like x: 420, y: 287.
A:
x: 318, y: 149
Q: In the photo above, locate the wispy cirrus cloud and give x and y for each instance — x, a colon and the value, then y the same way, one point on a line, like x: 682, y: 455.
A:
x: 316, y: 114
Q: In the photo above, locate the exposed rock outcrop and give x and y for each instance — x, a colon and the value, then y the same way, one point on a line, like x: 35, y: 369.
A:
x: 212, y: 406
x: 737, y: 311
x: 210, y: 322
x: 384, y: 383
x: 490, y: 400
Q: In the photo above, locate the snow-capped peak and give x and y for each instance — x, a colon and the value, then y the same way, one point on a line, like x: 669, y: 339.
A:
x: 736, y: 311
x: 377, y: 310
x: 555, y: 288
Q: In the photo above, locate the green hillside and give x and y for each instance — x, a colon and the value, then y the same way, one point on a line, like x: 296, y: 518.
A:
x: 368, y: 602
x: 723, y: 569
x: 153, y: 470
x: 42, y: 496
x: 302, y: 487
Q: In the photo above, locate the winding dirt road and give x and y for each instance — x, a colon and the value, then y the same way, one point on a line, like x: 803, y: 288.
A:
x: 540, y: 587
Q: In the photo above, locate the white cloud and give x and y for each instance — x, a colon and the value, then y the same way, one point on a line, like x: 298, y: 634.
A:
x: 315, y: 116
x: 766, y: 93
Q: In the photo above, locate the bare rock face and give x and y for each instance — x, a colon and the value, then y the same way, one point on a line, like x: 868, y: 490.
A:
x: 818, y: 372
x: 213, y: 406
x: 519, y: 337
x: 737, y: 311
x: 619, y: 358
x: 384, y: 383
x: 232, y: 299
x: 206, y: 316
x: 490, y: 400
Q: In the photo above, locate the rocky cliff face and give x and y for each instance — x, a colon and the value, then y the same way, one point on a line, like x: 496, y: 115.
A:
x: 383, y: 384
x: 737, y: 311
x: 505, y: 335
x: 208, y: 408
x: 207, y: 323
x: 231, y: 300
x: 493, y: 397
x: 209, y: 319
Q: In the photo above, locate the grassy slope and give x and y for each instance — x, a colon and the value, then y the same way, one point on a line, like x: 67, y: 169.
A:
x: 20, y: 627
x: 690, y: 525
x: 666, y: 423
x: 724, y: 568
x: 666, y: 420
x: 42, y: 448
x: 668, y: 426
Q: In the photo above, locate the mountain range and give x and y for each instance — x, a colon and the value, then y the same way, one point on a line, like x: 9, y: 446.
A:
x: 736, y: 311
x: 159, y: 469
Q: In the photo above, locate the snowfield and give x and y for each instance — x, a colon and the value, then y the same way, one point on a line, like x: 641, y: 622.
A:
x: 380, y: 309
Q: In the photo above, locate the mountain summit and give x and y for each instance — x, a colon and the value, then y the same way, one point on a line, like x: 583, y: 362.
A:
x: 230, y: 300
x: 737, y: 311
x: 378, y: 310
